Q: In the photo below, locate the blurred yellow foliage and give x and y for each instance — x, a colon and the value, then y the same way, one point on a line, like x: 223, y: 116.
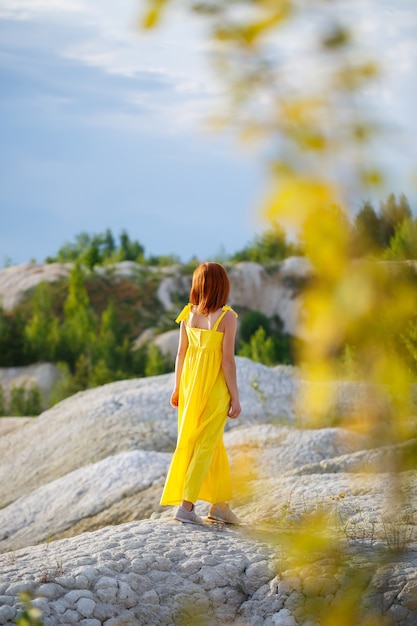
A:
x: 315, y: 134
x: 294, y: 198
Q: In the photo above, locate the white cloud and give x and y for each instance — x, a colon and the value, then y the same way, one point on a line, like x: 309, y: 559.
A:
x: 30, y: 9
x: 160, y: 82
x: 159, y: 69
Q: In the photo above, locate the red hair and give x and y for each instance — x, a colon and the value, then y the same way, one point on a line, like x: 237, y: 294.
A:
x: 210, y: 287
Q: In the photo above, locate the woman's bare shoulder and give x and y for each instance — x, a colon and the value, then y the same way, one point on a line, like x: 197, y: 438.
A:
x: 228, y: 321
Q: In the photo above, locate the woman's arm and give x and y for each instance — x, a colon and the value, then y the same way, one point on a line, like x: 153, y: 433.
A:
x: 179, y: 361
x: 229, y: 364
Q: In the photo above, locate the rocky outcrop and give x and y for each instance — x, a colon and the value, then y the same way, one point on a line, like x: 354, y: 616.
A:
x: 8, y: 424
x: 166, y: 342
x: 161, y: 572
x: 43, y: 376
x: 135, y: 414
x: 86, y: 476
x: 54, y: 507
x: 272, y: 291
x: 15, y: 281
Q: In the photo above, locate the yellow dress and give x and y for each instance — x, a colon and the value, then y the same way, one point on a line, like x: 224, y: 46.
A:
x: 199, y: 469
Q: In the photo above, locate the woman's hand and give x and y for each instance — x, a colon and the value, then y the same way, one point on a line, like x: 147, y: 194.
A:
x: 235, y: 409
x: 174, y: 398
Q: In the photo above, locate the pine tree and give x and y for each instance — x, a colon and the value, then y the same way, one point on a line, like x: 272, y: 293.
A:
x: 108, y: 244
x: 110, y: 338
x: 403, y: 244
x: 367, y: 235
x: 155, y: 363
x: 130, y: 250
x: 40, y: 339
x: 260, y: 348
x: 33, y: 401
x: 92, y: 255
x: 392, y: 215
x: 17, y: 401
x: 80, y: 323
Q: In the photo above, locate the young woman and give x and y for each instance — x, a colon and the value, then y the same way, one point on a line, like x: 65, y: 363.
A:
x: 205, y: 394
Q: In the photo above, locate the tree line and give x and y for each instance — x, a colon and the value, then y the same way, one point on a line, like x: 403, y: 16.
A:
x: 87, y: 324
x: 91, y: 341
x: 388, y: 232
x: 78, y: 326
x: 104, y: 249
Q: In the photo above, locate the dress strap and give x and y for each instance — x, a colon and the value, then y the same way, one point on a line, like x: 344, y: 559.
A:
x: 184, y: 313
x: 221, y: 316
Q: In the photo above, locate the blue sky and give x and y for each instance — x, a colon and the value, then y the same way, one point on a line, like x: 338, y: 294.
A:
x: 102, y: 126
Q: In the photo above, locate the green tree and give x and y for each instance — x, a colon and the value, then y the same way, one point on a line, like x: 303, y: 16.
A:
x: 33, y: 401
x: 283, y: 348
x: 17, y: 401
x: 41, y: 336
x: 367, y: 237
x: 109, y: 245
x: 83, y: 372
x: 164, y: 260
x: 12, y: 339
x: 392, y: 214
x: 250, y: 322
x: 130, y: 250
x: 92, y: 255
x: 73, y: 251
x: 403, y: 244
x: 138, y: 358
x: 92, y: 250
x: 260, y: 348
x: 65, y: 386
x: 155, y: 363
x: 101, y: 374
x: 110, y: 337
x: 80, y: 327
x: 270, y: 246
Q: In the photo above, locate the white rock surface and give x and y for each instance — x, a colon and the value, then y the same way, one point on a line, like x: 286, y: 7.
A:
x: 155, y: 572
x: 15, y: 281
x: 129, y: 415
x: 125, y: 415
x: 363, y: 502
x: 43, y: 375
x: 252, y: 287
x: 8, y: 424
x: 279, y: 449
x: 276, y: 293
x: 105, y: 446
x: 174, y: 284
x: 267, y: 450
x: 56, y: 506
x: 123, y: 269
x: 168, y: 343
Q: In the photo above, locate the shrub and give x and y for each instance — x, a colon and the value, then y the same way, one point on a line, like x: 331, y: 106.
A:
x: 17, y: 401
x: 260, y: 348
x: 250, y: 322
x: 33, y: 401
x: 156, y: 363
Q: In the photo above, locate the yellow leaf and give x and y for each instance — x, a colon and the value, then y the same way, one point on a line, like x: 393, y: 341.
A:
x: 294, y: 198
